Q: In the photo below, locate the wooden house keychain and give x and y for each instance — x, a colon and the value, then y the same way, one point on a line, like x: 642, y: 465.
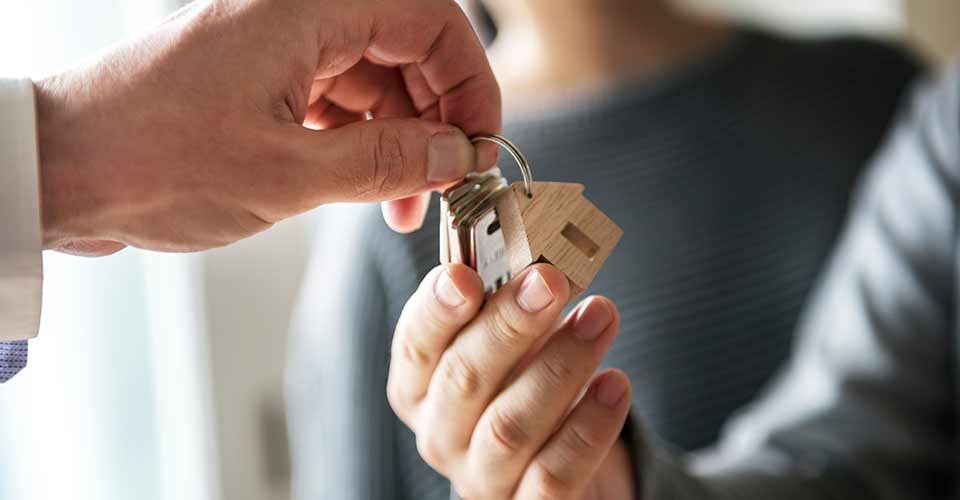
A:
x: 500, y: 229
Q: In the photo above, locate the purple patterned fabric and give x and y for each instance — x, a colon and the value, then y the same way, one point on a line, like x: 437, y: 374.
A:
x: 13, y: 357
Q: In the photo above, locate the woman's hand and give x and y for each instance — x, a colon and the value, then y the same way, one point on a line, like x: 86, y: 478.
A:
x: 504, y: 402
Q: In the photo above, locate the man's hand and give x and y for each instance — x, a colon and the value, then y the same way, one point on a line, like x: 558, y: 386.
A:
x: 504, y: 402
x: 205, y: 130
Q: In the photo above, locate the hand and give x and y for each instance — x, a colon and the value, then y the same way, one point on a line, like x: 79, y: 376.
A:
x: 496, y: 394
x: 201, y: 132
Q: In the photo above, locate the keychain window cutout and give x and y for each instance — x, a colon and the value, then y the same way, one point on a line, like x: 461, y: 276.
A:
x: 580, y: 241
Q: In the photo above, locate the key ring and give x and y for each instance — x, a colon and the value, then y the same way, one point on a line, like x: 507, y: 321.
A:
x: 515, y: 153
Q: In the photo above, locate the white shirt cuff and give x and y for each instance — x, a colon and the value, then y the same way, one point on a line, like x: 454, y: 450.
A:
x: 21, y: 267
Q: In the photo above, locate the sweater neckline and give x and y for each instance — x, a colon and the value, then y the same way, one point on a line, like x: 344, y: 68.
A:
x: 645, y: 87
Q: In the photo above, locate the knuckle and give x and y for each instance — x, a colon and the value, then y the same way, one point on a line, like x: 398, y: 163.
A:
x: 386, y: 161
x: 460, y: 375
x: 580, y: 440
x: 555, y: 370
x: 337, y: 49
x: 410, y: 351
x: 548, y: 485
x: 400, y: 394
x: 398, y: 397
x: 436, y: 318
x: 468, y: 490
x: 433, y: 451
x: 506, y: 433
x: 503, y: 329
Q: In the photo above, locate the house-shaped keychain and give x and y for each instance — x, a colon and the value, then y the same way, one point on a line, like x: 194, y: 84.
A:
x: 558, y: 225
x: 499, y: 230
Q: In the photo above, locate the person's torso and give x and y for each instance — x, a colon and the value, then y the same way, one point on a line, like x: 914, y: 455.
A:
x: 730, y: 182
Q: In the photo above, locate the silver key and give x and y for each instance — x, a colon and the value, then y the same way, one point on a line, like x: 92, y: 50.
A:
x: 490, y: 252
x: 470, y: 232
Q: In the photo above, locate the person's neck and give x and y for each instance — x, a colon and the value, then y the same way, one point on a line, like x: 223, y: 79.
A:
x: 591, y: 44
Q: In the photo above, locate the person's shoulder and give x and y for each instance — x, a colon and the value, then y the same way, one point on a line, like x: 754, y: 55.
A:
x: 839, y: 54
x: 869, y: 55
x: 854, y: 82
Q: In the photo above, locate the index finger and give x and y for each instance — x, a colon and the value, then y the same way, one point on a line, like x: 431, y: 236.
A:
x: 449, y: 76
x: 472, y: 369
x: 447, y: 299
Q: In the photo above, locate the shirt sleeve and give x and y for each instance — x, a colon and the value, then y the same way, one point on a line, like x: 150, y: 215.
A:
x: 20, y: 259
x: 865, y: 408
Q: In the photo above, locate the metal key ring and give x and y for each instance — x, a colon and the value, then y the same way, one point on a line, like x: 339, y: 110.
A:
x: 515, y: 153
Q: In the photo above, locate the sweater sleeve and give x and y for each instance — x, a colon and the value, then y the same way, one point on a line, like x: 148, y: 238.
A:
x: 864, y: 409
x: 337, y: 363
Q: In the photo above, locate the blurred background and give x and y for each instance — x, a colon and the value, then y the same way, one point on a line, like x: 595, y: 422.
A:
x: 161, y: 376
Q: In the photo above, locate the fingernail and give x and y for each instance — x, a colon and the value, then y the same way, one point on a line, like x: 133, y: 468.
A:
x: 450, y: 157
x: 592, y: 320
x: 611, y: 390
x: 534, y: 294
x: 446, y: 292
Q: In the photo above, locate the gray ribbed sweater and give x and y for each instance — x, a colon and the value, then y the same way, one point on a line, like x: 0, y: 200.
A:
x: 730, y: 179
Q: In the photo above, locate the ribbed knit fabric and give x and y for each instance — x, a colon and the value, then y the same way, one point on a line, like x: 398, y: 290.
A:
x: 730, y: 179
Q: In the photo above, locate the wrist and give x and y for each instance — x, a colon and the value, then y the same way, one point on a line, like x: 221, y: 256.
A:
x: 65, y: 177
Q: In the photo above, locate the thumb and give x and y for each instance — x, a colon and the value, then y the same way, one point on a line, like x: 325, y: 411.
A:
x: 386, y: 159
x: 89, y: 248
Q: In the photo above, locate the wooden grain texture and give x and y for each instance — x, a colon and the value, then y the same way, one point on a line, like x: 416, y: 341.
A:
x: 533, y: 230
